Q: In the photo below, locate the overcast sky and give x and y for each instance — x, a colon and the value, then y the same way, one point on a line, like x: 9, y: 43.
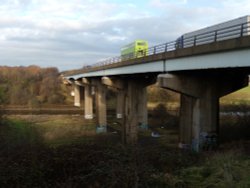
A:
x: 69, y: 34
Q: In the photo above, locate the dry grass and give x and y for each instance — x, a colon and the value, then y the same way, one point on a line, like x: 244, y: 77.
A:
x: 241, y: 96
x: 64, y: 151
x: 60, y: 129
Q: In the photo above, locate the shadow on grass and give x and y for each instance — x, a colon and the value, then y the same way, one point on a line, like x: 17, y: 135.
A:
x: 26, y: 160
x: 234, y: 128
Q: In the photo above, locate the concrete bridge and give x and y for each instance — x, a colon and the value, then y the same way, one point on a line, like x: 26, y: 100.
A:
x: 201, y: 74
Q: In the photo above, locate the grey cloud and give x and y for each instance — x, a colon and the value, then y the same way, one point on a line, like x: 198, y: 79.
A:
x: 70, y: 44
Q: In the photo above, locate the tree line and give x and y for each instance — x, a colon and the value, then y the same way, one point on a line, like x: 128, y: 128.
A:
x: 32, y: 86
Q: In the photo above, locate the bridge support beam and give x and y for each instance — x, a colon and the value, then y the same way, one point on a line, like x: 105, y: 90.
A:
x: 101, y: 106
x: 131, y: 112
x: 78, y: 93
x: 186, y: 118
x: 120, y: 104
x: 88, y: 102
x: 142, y: 108
x: 88, y: 99
x: 83, y: 89
x: 135, y: 108
x: 118, y: 85
x: 131, y: 104
x: 198, y: 116
x: 200, y: 102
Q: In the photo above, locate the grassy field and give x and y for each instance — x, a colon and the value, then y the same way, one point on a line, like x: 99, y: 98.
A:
x: 64, y: 151
x: 242, y: 96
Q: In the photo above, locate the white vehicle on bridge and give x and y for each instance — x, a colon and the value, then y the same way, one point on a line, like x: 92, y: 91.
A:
x: 227, y: 30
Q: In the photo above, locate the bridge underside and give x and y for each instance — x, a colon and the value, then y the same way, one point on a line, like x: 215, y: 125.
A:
x: 200, y: 92
x: 202, y: 74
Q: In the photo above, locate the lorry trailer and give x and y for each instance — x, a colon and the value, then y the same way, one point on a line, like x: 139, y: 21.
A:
x: 227, y: 30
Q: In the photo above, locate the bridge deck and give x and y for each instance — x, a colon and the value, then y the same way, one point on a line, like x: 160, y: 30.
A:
x: 230, y: 53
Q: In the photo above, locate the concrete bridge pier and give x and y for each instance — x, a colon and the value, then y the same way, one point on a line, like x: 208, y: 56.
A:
x: 135, y: 108
x: 88, y: 99
x: 116, y: 84
x: 120, y: 104
x: 78, y: 94
x: 186, y: 118
x: 142, y: 108
x: 88, y: 102
x: 198, y: 116
x: 199, y: 110
x: 131, y: 112
x: 101, y: 105
x: 131, y: 105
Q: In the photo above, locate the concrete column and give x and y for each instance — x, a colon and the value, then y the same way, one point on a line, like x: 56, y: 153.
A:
x: 196, y: 125
x: 142, y: 108
x: 199, y: 107
x: 120, y: 104
x: 88, y: 102
x: 197, y: 115
x: 131, y: 113
x: 135, y: 110
x: 209, y: 108
x: 132, y: 102
x: 77, y: 95
x: 186, y: 120
x: 118, y: 85
x: 101, y: 109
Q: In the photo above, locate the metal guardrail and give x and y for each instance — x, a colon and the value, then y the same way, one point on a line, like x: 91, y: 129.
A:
x: 235, y: 31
